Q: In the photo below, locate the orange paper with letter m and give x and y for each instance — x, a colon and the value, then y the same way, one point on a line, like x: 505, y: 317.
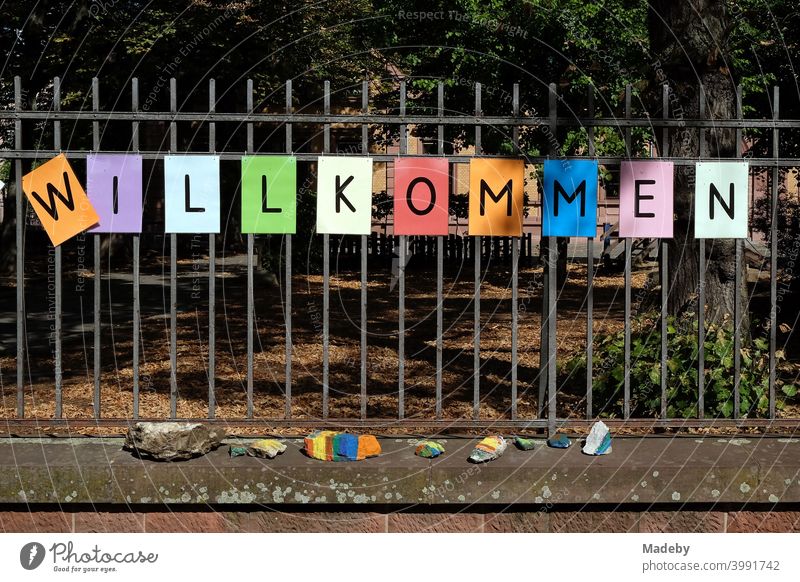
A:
x: 59, y: 200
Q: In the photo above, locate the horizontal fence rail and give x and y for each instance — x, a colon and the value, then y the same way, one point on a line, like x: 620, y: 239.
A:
x: 475, y: 256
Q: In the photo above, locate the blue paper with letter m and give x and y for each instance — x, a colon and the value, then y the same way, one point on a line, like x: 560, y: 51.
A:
x: 569, y: 198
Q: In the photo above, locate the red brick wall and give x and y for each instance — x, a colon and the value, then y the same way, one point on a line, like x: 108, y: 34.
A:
x: 266, y: 520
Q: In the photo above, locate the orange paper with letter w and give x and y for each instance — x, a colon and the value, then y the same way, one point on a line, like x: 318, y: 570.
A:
x: 59, y: 200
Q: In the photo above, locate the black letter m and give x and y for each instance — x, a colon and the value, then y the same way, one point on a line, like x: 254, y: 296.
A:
x: 496, y: 198
x: 559, y: 191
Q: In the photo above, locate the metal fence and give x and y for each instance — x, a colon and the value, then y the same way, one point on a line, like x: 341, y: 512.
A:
x: 545, y: 380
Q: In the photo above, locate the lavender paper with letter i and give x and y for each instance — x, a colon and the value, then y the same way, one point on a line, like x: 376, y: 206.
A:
x: 114, y: 187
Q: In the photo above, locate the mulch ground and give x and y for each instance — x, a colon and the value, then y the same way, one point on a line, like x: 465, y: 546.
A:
x: 269, y: 352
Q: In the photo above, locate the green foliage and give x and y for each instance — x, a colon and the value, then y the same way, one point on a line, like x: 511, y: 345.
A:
x: 682, y: 372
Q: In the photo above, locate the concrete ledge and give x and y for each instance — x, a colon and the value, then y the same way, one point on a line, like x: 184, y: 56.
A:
x: 654, y: 470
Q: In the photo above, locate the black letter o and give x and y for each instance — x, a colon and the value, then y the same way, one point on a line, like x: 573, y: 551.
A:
x: 414, y: 182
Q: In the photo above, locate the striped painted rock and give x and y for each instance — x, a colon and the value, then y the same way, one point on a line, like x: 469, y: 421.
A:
x: 328, y: 445
x: 488, y: 449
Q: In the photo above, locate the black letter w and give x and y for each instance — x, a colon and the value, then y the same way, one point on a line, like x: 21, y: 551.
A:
x: 52, y: 193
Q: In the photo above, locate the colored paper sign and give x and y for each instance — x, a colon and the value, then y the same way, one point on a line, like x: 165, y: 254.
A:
x: 269, y: 194
x: 191, y: 194
x: 59, y: 200
x: 720, y: 200
x: 495, y: 197
x: 344, y: 195
x: 645, y: 200
x: 421, y: 192
x: 569, y: 198
x: 114, y: 185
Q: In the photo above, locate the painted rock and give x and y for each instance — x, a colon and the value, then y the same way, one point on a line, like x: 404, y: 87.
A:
x: 266, y: 449
x: 559, y: 442
x: 599, y: 440
x: 488, y: 449
x: 525, y: 444
x: 429, y: 449
x: 328, y: 445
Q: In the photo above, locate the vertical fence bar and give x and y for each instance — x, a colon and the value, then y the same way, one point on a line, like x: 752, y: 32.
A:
x: 287, y: 317
x: 628, y: 116
x: 737, y: 309
x: 439, y: 268
x: 249, y: 146
x: 401, y: 279
x: 476, y: 380
x: 212, y: 267
x: 547, y: 379
x: 96, y: 240
x: 664, y: 275
x: 173, y: 273
x: 628, y: 245
x: 547, y: 242
x: 136, y: 248
x: 701, y: 289
x: 58, y: 282
x: 326, y: 269
x: 514, y: 274
x: 773, y: 256
x: 476, y: 368
x: 364, y: 253
x: 627, y: 349
x: 552, y: 260
x: 590, y: 278
x: 19, y: 216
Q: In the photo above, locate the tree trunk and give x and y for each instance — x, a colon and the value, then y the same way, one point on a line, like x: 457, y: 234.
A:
x: 687, y: 40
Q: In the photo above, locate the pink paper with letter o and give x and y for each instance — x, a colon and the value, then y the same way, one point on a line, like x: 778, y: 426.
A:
x: 645, y: 200
x: 421, y: 190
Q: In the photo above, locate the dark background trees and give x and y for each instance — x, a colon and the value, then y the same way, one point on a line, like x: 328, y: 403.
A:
x: 498, y: 42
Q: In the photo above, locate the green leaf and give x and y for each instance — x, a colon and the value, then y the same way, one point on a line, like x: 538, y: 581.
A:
x: 727, y: 409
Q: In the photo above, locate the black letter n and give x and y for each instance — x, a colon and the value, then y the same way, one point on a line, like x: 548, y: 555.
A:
x: 714, y: 193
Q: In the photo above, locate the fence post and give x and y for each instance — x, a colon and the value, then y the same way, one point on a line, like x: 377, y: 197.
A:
x: 364, y: 253
x: 590, y: 277
x: 773, y: 258
x: 628, y: 244
x: 19, y: 212
x: 250, y: 248
x: 173, y: 271
x: 401, y: 280
x: 136, y: 266
x: 476, y: 380
x: 287, y: 315
x: 58, y: 283
x: 212, y: 251
x: 96, y: 240
x: 326, y: 268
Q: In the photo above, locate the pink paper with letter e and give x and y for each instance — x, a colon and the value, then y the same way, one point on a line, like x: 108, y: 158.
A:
x: 645, y: 200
